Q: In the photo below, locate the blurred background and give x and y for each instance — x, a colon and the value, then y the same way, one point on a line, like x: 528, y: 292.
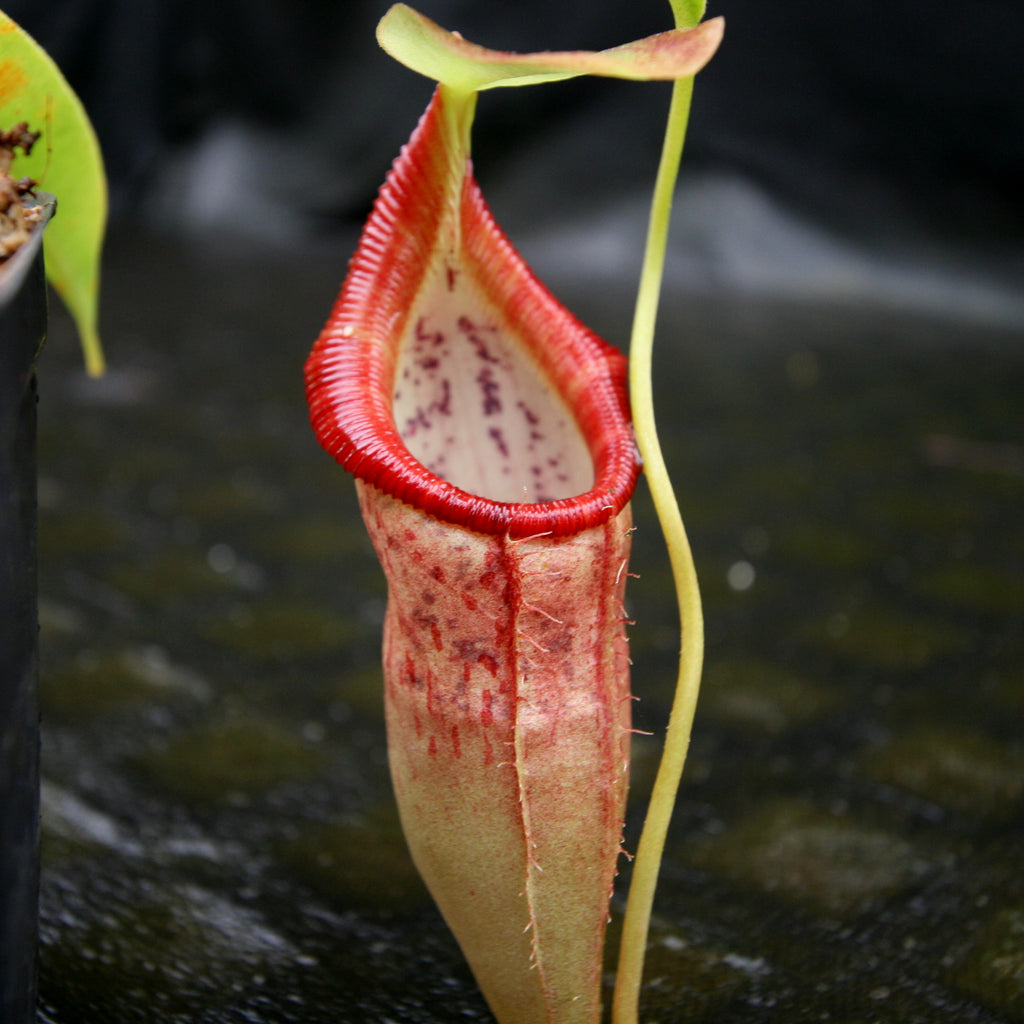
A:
x: 839, y: 373
x: 877, y: 151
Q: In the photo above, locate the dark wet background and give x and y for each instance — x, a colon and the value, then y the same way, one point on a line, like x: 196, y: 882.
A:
x: 219, y: 840
x: 839, y: 377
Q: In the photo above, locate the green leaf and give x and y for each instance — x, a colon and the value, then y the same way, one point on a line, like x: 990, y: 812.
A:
x: 67, y: 162
x: 446, y: 57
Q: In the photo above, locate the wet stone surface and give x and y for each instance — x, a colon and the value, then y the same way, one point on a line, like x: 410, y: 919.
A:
x: 219, y: 839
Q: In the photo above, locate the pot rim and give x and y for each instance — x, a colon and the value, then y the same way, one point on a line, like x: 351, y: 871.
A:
x: 14, y: 270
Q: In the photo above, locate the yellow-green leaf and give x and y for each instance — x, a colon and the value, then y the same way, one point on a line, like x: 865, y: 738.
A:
x: 446, y: 57
x: 67, y: 162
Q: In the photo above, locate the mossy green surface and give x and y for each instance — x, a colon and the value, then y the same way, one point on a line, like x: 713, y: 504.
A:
x: 100, y: 683
x: 762, y: 696
x: 277, y: 630
x: 360, y: 861
x: 963, y: 771
x: 886, y: 637
x: 825, y: 862
x: 222, y: 760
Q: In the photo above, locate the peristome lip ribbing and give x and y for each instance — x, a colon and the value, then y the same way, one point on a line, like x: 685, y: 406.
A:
x: 350, y: 373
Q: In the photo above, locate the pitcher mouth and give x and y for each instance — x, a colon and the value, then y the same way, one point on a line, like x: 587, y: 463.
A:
x: 450, y: 378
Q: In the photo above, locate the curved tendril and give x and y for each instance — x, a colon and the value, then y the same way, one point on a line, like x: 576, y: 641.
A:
x: 652, y: 840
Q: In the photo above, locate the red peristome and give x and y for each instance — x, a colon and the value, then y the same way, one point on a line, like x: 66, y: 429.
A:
x: 423, y: 225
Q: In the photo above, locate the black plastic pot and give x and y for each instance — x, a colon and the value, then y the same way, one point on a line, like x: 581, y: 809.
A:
x: 22, y: 331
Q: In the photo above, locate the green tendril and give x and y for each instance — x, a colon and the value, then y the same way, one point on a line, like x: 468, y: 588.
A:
x: 677, y: 739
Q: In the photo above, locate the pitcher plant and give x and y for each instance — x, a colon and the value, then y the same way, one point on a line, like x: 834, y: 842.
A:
x: 489, y: 433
